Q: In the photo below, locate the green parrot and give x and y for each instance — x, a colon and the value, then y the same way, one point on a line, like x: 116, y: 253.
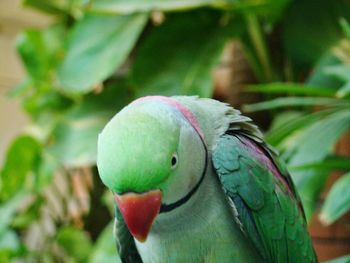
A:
x: 194, y: 181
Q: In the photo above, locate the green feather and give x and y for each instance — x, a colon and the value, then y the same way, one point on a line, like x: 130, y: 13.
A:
x: 269, y: 212
x: 125, y: 242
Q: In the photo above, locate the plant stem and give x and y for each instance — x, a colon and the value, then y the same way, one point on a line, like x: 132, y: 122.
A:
x: 254, y: 31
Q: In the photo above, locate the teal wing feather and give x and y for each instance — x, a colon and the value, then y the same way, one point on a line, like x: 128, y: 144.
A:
x: 262, y: 194
x: 125, y: 242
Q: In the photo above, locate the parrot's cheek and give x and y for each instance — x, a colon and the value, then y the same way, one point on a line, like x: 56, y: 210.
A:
x: 139, y: 211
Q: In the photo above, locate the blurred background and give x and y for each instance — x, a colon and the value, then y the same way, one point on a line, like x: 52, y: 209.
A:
x: 67, y: 66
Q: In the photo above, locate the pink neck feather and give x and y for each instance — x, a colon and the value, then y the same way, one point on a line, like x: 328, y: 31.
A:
x: 177, y: 105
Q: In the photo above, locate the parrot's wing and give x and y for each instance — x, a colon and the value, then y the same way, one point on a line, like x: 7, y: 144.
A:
x: 263, y: 199
x: 125, y: 242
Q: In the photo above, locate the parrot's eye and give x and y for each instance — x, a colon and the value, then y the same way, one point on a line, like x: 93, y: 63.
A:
x: 173, y: 161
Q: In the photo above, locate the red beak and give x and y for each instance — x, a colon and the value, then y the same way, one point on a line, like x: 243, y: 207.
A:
x: 139, y: 211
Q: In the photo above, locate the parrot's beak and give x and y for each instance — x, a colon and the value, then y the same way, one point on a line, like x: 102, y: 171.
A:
x: 139, y: 211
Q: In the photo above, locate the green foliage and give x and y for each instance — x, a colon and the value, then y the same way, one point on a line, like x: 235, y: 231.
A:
x: 309, y: 33
x: 181, y: 64
x: 24, y: 150
x: 99, y: 55
x: 90, y: 60
x: 104, y: 250
x: 127, y: 7
x: 75, y: 243
x: 338, y: 200
x: 344, y: 259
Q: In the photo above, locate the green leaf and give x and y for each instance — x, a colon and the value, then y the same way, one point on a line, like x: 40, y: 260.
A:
x: 345, y: 26
x: 291, y: 88
x: 75, y: 242
x: 337, y: 202
x: 309, y: 184
x: 31, y: 48
x: 41, y: 50
x: 292, y: 102
x: 178, y: 57
x: 313, y: 144
x: 20, y: 89
x: 340, y: 71
x: 8, y: 210
x: 306, y: 44
x: 44, y: 171
x: 270, y: 9
x: 74, y: 139
x: 30, y: 215
x: 56, y: 7
x: 97, y: 47
x: 278, y: 133
x: 282, y: 119
x: 328, y: 130
x: 51, y: 7
x: 331, y: 163
x: 45, y: 102
x: 344, y: 91
x: 105, y: 249
x: 319, y: 77
x: 21, y: 158
x: 10, y: 246
x: 9, y: 240
x: 132, y: 6
x: 343, y: 259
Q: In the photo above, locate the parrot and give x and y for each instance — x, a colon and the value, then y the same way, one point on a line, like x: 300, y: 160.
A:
x: 194, y: 181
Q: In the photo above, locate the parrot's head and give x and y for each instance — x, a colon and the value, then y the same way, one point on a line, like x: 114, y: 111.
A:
x: 153, y: 157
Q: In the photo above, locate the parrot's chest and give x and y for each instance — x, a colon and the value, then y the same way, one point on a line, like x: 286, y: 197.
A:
x: 204, y: 231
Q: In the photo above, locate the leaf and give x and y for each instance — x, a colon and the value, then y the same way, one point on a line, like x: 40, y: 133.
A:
x: 313, y: 144
x: 345, y: 26
x: 270, y: 9
x: 319, y: 77
x: 278, y: 133
x: 40, y: 51
x: 76, y: 243
x: 105, y: 249
x: 291, y: 88
x: 20, y: 89
x: 55, y: 7
x: 90, y: 59
x: 292, y: 102
x: 133, y: 6
x: 309, y: 184
x: 32, y: 50
x: 9, y: 240
x: 10, y: 246
x: 8, y: 210
x: 337, y: 202
x: 21, y: 157
x: 331, y: 163
x: 74, y: 139
x: 341, y: 72
x: 328, y: 130
x: 45, y: 102
x: 44, y: 171
x: 178, y: 57
x: 343, y: 91
x: 51, y: 7
x: 343, y: 259
x: 305, y: 45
